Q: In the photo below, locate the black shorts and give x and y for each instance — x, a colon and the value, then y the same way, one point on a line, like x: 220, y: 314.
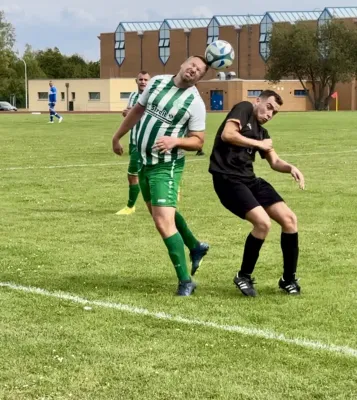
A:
x: 240, y: 197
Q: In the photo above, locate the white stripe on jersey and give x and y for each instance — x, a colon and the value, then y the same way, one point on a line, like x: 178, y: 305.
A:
x: 149, y: 127
x: 162, y: 103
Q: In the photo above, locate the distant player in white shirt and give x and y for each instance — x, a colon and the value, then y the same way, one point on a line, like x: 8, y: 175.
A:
x: 134, y: 188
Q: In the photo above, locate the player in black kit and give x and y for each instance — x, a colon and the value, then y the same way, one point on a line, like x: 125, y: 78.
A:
x: 239, y: 137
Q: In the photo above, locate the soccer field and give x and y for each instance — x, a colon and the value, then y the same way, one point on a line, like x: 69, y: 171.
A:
x: 87, y: 297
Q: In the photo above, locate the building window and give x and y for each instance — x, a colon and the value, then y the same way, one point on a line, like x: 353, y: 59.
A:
x: 124, y: 95
x: 62, y: 96
x: 212, y: 31
x: 254, y: 93
x: 119, y: 46
x: 324, y: 18
x: 301, y: 92
x: 164, y: 43
x: 266, y: 27
x: 73, y: 96
x: 42, y: 95
x: 94, y: 95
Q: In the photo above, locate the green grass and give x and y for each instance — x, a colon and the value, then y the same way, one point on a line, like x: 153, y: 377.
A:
x: 58, y: 231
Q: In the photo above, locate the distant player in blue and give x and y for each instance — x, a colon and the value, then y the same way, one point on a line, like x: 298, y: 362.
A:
x: 52, y: 98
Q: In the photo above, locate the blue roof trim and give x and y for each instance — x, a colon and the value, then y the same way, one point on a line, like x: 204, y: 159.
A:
x: 188, y: 23
x: 293, y: 16
x: 342, y: 12
x: 231, y: 20
x: 134, y: 26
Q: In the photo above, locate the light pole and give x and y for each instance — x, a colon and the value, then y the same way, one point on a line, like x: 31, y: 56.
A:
x: 25, y: 81
x: 141, y: 36
x: 187, y: 34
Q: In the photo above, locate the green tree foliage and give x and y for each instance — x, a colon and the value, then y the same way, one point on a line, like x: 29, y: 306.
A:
x: 94, y: 69
x: 58, y: 66
x: 323, y: 55
x: 34, y: 70
x: 41, y: 64
x: 7, y: 41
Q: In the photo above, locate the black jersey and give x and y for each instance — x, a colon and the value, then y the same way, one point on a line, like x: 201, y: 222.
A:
x: 229, y: 159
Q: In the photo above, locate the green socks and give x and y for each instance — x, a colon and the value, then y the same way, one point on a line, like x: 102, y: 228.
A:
x: 190, y: 241
x: 134, y: 191
x: 176, y: 249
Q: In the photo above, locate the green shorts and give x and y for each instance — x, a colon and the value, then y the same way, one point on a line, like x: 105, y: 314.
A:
x: 133, y: 167
x: 159, y: 183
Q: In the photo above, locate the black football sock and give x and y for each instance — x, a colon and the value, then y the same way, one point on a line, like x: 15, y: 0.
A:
x: 290, y: 248
x: 250, y: 257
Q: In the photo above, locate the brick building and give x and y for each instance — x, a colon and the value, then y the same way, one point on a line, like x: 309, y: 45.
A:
x: 160, y: 47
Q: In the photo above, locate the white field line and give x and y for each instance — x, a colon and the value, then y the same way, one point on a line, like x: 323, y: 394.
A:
x: 189, y: 160
x: 75, y: 166
x: 242, y: 330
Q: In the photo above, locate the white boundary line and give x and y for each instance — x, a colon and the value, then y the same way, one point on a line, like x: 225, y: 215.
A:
x: 76, y: 165
x: 187, y: 160
x: 254, y: 332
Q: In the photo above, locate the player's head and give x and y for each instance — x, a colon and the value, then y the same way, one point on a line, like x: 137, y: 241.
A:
x: 267, y: 105
x: 142, y: 80
x: 192, y: 70
x: 50, y: 83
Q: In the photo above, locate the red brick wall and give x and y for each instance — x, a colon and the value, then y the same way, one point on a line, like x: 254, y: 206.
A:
x: 247, y: 65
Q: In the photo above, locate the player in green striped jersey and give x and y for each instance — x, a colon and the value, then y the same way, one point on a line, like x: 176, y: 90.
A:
x: 134, y: 188
x: 173, y: 118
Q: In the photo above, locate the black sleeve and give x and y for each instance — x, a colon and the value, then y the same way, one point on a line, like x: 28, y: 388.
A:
x: 241, y: 113
x: 265, y: 136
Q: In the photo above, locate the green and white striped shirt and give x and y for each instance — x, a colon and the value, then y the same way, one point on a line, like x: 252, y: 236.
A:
x: 169, y: 111
x: 133, y: 99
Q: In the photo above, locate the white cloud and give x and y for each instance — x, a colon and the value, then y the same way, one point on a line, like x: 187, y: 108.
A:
x: 202, y: 12
x: 11, y: 9
x: 78, y: 15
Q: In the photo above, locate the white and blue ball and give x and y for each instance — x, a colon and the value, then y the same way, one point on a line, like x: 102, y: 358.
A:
x: 219, y: 55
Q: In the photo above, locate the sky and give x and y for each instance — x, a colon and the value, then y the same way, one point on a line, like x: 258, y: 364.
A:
x: 74, y: 25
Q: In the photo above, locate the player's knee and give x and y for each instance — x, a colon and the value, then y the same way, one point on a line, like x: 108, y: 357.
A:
x: 163, y: 224
x: 263, y: 226
x: 290, y: 221
x: 133, y: 179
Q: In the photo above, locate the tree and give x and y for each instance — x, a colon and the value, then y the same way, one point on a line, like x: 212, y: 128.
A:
x: 75, y: 67
x: 323, y: 55
x: 34, y: 71
x: 52, y: 63
x: 7, y: 41
x: 58, y: 66
x: 49, y: 63
x: 94, y: 69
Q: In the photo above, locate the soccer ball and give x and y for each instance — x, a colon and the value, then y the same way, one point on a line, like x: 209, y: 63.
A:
x: 219, y: 54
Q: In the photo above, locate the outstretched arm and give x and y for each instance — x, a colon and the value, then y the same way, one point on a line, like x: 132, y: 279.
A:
x: 277, y: 164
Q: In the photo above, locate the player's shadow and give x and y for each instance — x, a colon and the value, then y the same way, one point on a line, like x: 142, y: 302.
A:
x: 104, y: 284
x: 229, y: 291
x: 152, y: 284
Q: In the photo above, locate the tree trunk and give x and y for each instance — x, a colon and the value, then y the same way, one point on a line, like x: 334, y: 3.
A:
x: 327, y: 98
x: 319, y: 99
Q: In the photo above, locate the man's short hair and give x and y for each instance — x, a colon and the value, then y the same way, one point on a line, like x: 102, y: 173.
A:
x: 269, y: 93
x: 202, y: 59
x: 143, y: 73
